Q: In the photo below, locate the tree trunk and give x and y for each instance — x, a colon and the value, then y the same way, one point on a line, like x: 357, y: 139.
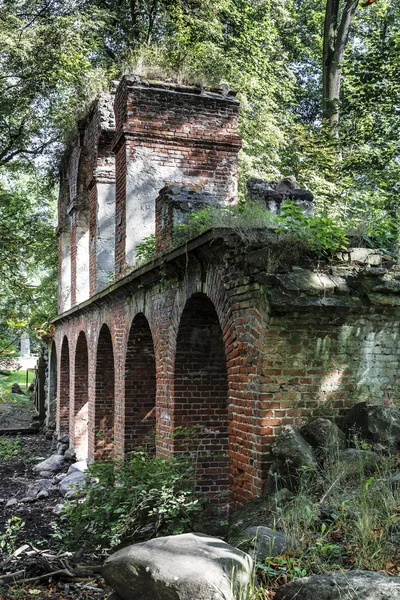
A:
x: 336, y: 35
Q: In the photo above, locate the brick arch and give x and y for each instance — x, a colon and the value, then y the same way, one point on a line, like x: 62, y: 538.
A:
x: 104, y: 396
x: 81, y: 397
x: 201, y: 393
x: 64, y: 387
x: 140, y: 385
x: 52, y: 387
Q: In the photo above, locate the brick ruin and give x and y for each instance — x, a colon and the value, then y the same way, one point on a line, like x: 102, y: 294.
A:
x: 230, y: 339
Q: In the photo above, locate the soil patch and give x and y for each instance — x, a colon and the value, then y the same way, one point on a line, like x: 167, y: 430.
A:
x: 16, y: 475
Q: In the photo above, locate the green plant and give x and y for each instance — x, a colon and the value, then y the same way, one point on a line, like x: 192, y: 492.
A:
x: 8, y: 537
x: 322, y: 235
x: 133, y: 500
x: 10, y: 448
x: 146, y: 250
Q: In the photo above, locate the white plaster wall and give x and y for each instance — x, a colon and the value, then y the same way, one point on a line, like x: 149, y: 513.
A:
x: 82, y: 257
x: 144, y: 179
x: 65, y: 283
x: 105, y: 247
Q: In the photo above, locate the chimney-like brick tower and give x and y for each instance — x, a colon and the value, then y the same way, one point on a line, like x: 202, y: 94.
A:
x: 86, y: 227
x: 168, y: 134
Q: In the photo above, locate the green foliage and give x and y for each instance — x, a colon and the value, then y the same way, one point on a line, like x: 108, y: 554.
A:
x: 8, y: 537
x: 28, y: 254
x: 322, y: 235
x: 319, y: 235
x: 134, y: 500
x: 10, y: 448
x: 146, y: 250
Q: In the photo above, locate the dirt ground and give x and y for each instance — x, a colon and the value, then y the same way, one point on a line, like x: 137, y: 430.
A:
x: 16, y: 475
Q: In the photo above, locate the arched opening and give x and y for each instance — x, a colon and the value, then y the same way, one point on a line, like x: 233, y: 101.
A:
x: 201, y: 395
x: 104, y: 399
x: 140, y: 386
x: 52, y: 387
x: 64, y: 387
x: 81, y: 398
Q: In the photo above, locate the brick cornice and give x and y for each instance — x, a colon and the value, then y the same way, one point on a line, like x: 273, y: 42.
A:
x: 231, y: 143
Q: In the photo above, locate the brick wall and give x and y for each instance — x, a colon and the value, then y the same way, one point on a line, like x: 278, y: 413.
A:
x: 104, y: 397
x: 88, y: 166
x: 227, y: 341
x: 140, y: 386
x: 168, y: 134
x: 201, y: 394
x: 228, y: 358
x: 64, y: 389
x: 81, y: 398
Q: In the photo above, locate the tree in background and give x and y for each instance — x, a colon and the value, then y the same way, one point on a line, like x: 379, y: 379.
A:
x: 294, y: 64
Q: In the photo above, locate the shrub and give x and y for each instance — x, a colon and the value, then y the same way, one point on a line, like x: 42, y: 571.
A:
x: 133, y: 500
x: 322, y: 235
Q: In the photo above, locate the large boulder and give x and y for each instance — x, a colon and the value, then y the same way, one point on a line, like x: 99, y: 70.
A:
x: 262, y: 542
x: 375, y: 423
x: 353, y: 585
x: 191, y: 566
x: 73, y: 483
x: 54, y: 463
x: 293, y: 455
x: 353, y: 462
x: 38, y: 486
x: 324, y: 436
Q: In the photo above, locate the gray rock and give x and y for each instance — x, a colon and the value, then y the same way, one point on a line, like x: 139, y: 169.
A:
x: 80, y: 466
x: 376, y: 423
x: 16, y: 389
x: 58, y: 508
x: 260, y: 511
x: 292, y: 455
x: 69, y: 454
x: 362, y: 256
x: 61, y: 448
x: 353, y: 585
x: 323, y: 435
x: 54, y: 463
x: 42, y: 495
x: 58, y: 478
x: 191, y: 566
x: 28, y: 499
x: 11, y: 502
x: 49, y: 434
x: 39, y: 485
x: 45, y: 474
x: 353, y: 461
x: 63, y: 439
x: 73, y: 483
x: 262, y: 542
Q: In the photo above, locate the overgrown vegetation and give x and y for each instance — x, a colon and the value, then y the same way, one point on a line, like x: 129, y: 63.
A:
x: 345, y: 519
x: 321, y: 236
x: 133, y: 500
